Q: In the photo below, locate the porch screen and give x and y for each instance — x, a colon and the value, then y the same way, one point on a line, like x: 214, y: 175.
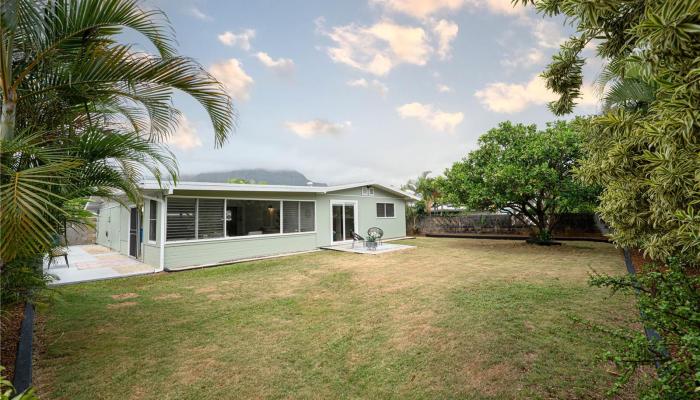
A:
x: 210, y: 218
x: 182, y: 218
x: 252, y: 217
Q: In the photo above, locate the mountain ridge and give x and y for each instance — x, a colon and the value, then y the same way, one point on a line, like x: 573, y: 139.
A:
x: 270, y: 176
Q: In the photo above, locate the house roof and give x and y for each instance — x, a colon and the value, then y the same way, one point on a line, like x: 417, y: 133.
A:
x: 237, y: 187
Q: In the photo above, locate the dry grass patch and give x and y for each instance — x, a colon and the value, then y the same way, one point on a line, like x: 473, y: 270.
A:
x: 124, y: 296
x: 122, y: 305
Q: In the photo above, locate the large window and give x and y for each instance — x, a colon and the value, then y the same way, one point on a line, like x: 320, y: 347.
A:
x: 152, y: 220
x: 182, y: 218
x: 385, y: 210
x: 252, y: 217
x: 190, y: 218
x: 299, y: 216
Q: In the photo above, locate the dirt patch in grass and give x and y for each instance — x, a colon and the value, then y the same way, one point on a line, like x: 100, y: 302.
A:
x: 124, y: 296
x: 168, y: 296
x: 208, y: 289
x: 122, y: 305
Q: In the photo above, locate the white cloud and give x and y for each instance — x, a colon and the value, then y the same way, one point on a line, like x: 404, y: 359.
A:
x: 547, y: 33
x: 377, y: 49
x: 281, y: 66
x: 374, y: 84
x: 231, y: 74
x: 199, y: 14
x: 509, y: 98
x: 241, y: 39
x: 316, y: 127
x: 185, y: 136
x: 420, y: 8
x: 501, y: 6
x: 524, y: 58
x: 436, y: 119
x: 444, y: 88
x: 445, y: 31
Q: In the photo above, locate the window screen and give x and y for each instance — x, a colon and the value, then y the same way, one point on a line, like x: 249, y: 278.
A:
x: 252, y: 217
x: 152, y: 220
x: 181, y: 218
x: 210, y: 218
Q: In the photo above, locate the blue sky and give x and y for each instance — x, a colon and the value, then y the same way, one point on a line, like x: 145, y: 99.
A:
x: 361, y: 90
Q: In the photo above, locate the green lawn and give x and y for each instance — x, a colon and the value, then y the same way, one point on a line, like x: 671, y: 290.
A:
x: 453, y: 318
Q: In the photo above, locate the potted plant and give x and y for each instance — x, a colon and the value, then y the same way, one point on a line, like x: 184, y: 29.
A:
x: 371, y: 241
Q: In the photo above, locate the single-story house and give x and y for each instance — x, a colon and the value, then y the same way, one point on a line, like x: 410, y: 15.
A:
x: 200, y: 224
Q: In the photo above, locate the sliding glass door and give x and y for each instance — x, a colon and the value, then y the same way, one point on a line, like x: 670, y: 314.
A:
x: 344, y: 220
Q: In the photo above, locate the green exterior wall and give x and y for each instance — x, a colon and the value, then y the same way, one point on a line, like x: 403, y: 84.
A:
x: 113, y: 227
x: 220, y: 251
x: 367, y: 212
x: 217, y: 251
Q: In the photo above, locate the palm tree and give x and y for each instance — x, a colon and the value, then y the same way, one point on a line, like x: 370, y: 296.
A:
x: 622, y: 85
x: 83, y: 114
x: 425, y: 187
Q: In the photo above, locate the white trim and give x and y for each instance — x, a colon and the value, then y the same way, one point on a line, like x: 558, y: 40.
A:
x: 163, y: 221
x: 356, y: 218
x: 231, y: 187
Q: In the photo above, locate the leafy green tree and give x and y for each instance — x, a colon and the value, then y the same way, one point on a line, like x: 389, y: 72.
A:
x: 524, y: 172
x: 643, y: 151
x: 246, y: 181
x: 83, y: 114
x: 427, y: 188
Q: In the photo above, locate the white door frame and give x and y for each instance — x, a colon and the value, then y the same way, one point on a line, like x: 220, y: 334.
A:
x: 356, y: 218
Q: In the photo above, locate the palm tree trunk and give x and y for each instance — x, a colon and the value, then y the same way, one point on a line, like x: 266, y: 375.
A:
x: 7, y: 120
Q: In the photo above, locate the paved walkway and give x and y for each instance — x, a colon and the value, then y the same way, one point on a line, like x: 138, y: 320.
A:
x: 359, y: 248
x: 94, y: 262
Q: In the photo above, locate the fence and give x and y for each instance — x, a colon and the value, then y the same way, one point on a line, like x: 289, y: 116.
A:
x: 568, y: 225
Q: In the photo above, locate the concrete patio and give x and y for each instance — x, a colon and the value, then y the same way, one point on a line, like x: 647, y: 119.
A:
x: 360, y: 249
x: 94, y: 262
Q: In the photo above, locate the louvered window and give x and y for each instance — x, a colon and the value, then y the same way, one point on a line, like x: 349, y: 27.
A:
x: 182, y: 218
x: 298, y: 216
x: 210, y: 218
x: 307, y: 216
x: 290, y: 216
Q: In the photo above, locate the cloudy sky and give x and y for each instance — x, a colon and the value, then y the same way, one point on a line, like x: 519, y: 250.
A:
x: 364, y: 89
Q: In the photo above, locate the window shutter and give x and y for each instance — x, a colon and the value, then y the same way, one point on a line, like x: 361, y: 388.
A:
x: 181, y: 218
x: 211, y: 218
x: 290, y: 216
